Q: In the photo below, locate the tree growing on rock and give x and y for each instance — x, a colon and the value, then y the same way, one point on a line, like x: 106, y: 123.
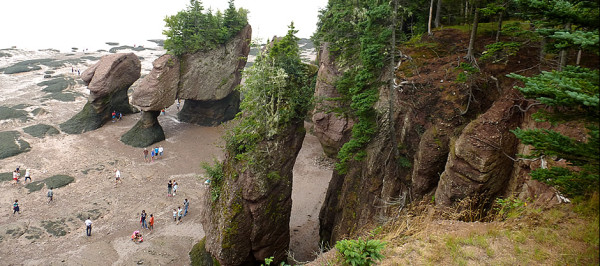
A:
x: 193, y: 29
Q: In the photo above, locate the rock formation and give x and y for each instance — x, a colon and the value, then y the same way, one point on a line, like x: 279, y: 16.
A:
x: 108, y: 81
x: 155, y: 92
x: 332, y: 129
x: 209, y: 79
x: 479, y: 164
x: 250, y: 219
x: 205, y: 80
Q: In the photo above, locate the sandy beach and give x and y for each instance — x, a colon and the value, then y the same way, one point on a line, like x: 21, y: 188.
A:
x: 54, y: 234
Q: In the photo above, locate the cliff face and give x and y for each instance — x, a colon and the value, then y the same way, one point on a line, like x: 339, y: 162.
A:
x: 250, y: 219
x: 331, y: 128
x: 443, y: 150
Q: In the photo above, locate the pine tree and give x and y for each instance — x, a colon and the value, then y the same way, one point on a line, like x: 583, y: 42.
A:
x: 571, y: 95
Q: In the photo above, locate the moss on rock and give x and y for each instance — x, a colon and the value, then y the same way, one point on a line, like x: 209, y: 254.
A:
x: 41, y: 130
x: 11, y: 144
x: 146, y: 132
x: 13, y: 113
x: 200, y: 257
x: 55, y: 181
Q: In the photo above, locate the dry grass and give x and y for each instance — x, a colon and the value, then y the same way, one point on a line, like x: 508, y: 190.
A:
x: 562, y: 235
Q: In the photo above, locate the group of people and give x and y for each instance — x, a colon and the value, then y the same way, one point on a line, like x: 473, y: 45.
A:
x: 154, y: 153
x: 116, y: 116
x: 17, y: 175
x: 178, y: 213
x: 172, y: 187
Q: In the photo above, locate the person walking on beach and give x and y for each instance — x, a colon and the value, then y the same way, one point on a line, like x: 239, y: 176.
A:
x: 114, y: 116
x: 186, y: 205
x: 143, y: 219
x: 117, y: 176
x: 16, y: 207
x: 88, y: 226
x: 160, y: 151
x: 152, y: 155
x: 174, y: 215
x: 50, y: 195
x: 145, y: 155
x: 27, y: 176
x: 16, y: 176
x: 179, y: 214
x: 175, y: 187
x: 169, y: 188
x: 151, y: 222
x: 156, y: 152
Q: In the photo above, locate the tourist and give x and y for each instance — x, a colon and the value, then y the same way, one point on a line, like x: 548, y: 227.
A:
x: 179, y: 214
x: 160, y: 151
x: 156, y: 152
x: 114, y: 116
x: 117, y: 176
x: 50, y: 195
x: 162, y: 112
x: 88, y: 226
x: 174, y: 215
x: 152, y: 155
x: 169, y: 188
x: 145, y: 155
x: 186, y: 205
x: 137, y: 237
x: 143, y: 219
x: 16, y: 207
x: 16, y: 176
x: 120, y: 116
x: 151, y: 223
x: 178, y: 103
x: 27, y: 176
x: 175, y: 187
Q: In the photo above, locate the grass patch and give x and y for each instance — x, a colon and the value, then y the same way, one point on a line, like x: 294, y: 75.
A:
x: 41, y: 130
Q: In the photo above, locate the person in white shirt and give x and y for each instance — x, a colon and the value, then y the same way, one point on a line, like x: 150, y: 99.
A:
x: 117, y: 176
x: 88, y: 227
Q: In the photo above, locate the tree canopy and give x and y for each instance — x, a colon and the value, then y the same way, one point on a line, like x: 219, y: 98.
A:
x: 195, y: 29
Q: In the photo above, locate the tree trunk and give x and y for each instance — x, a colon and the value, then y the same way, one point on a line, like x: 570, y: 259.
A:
x: 430, y: 17
x: 466, y: 11
x: 438, y: 14
x: 499, y: 26
x: 470, y: 55
x: 578, y: 57
x: 563, y: 53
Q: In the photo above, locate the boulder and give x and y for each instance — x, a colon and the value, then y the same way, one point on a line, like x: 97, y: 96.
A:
x: 332, y: 129
x: 108, y: 81
x: 430, y: 161
x: 145, y: 132
x: 210, y: 113
x: 213, y: 75
x: 249, y: 221
x: 478, y: 163
x: 158, y: 89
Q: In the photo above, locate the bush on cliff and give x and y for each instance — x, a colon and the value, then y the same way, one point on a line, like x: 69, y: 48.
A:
x: 193, y: 30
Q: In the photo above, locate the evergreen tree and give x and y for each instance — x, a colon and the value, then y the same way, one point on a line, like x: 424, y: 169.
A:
x: 572, y: 95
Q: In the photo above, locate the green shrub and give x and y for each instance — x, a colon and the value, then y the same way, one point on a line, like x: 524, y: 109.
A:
x: 215, y: 174
x: 360, y: 252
